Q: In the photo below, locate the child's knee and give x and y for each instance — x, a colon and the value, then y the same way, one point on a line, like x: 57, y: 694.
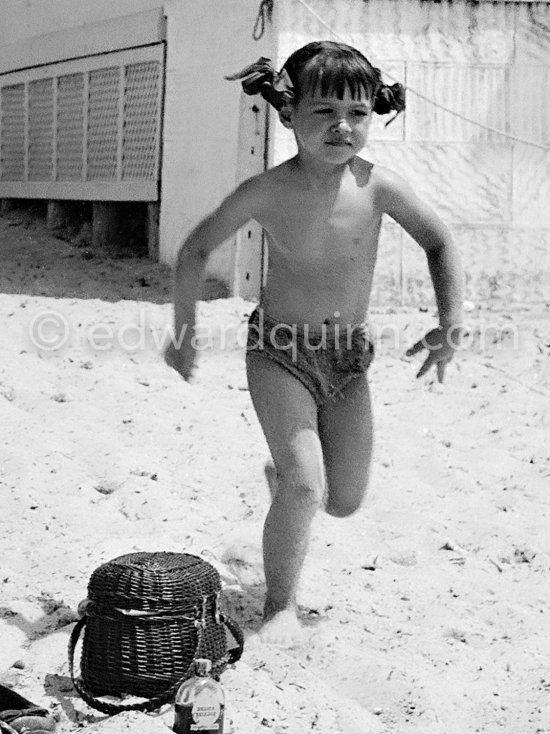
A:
x: 297, y: 483
x: 341, y: 509
x: 344, y: 505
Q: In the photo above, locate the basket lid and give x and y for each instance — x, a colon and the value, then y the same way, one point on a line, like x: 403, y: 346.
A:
x: 153, y: 581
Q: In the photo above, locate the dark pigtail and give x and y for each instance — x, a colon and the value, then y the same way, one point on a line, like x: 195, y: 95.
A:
x: 261, y: 78
x: 389, y: 99
x: 326, y: 66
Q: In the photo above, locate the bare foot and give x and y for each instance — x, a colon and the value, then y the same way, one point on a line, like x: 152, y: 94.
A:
x: 282, y: 629
x: 182, y: 360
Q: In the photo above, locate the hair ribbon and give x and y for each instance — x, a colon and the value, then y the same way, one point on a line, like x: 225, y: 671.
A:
x: 261, y: 78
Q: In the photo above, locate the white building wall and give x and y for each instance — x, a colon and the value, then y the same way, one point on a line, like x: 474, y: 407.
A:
x: 80, y: 106
x: 21, y: 20
x: 209, y: 127
x: 202, y: 161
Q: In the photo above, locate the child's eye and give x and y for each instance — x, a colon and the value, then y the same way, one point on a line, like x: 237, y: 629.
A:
x: 360, y: 113
x: 325, y: 111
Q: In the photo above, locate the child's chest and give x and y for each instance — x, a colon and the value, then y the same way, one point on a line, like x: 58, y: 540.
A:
x: 337, y: 226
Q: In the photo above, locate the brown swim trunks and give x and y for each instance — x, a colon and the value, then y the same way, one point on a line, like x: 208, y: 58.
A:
x: 325, y: 360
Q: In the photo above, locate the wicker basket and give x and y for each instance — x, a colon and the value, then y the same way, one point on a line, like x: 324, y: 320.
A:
x: 148, y: 617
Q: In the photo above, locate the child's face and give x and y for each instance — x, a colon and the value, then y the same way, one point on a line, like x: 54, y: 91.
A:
x: 331, y: 130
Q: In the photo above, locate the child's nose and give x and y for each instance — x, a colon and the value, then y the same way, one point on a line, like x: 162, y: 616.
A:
x: 342, y: 125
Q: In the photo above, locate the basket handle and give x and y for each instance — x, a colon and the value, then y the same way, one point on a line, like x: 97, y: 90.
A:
x: 116, y: 708
x: 150, y: 704
x: 234, y: 653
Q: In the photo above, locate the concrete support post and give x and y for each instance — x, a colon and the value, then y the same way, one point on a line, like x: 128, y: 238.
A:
x: 153, y: 210
x: 57, y: 216
x: 7, y: 205
x: 106, y: 226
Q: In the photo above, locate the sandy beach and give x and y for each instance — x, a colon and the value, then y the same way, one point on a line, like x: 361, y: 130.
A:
x: 427, y: 611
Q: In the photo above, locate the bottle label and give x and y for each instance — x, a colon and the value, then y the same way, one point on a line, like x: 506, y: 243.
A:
x: 206, y: 718
x: 206, y: 709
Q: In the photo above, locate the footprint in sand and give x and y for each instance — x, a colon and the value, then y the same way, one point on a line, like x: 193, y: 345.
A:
x: 243, y: 557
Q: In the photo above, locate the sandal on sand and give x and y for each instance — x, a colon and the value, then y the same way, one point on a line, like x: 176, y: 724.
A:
x: 22, y: 715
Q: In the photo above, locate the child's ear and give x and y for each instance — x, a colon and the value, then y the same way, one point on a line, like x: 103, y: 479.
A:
x: 285, y: 116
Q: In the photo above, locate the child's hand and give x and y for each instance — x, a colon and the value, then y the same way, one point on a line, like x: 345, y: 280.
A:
x: 182, y: 359
x: 442, y: 343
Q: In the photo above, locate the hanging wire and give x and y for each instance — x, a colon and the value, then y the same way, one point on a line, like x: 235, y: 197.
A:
x: 428, y: 99
x: 265, y: 12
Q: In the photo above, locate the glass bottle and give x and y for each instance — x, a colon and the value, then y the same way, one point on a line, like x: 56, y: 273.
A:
x: 199, y: 703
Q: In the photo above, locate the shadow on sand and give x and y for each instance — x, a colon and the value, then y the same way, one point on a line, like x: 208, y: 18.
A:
x: 34, y: 262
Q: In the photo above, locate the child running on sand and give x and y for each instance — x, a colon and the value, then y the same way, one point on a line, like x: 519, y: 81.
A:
x: 308, y: 349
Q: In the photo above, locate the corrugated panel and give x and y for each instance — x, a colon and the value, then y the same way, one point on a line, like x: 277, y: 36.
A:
x: 141, y: 97
x: 511, y: 263
x: 507, y: 264
x: 41, y: 120
x: 477, y: 92
x: 415, y: 31
x: 103, y: 124
x: 501, y: 263
x: 489, y: 61
x: 532, y: 36
x: 12, y: 151
x: 530, y: 102
x: 531, y: 191
x: 465, y: 32
x: 70, y: 127
x: 465, y: 183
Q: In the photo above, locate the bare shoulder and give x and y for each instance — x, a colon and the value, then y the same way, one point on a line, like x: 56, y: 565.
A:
x: 393, y: 193
x: 388, y: 182
x: 259, y: 190
x: 280, y: 175
x: 250, y: 190
x: 396, y: 197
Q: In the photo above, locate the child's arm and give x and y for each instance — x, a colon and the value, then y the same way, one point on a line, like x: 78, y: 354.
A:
x: 398, y: 199
x: 237, y: 209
